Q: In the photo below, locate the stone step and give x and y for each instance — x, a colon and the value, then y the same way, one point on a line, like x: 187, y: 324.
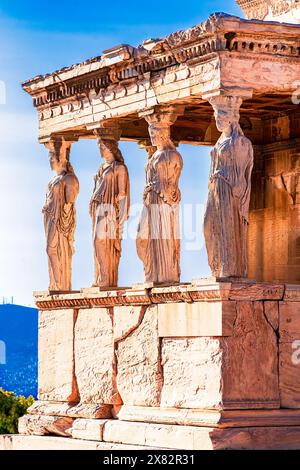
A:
x: 209, y: 418
x: 20, y: 442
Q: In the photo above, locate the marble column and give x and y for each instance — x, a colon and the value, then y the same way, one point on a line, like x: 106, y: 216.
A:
x: 109, y: 205
x: 226, y: 217
x: 60, y: 215
x: 158, y: 238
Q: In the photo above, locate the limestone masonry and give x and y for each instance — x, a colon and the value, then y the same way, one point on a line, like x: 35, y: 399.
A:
x: 209, y: 364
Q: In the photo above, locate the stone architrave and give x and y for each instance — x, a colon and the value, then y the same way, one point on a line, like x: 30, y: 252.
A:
x: 109, y: 206
x: 227, y: 210
x: 158, y: 239
x: 60, y: 215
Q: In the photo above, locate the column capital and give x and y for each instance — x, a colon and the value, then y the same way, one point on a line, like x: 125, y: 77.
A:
x: 164, y: 115
x: 227, y: 104
x: 243, y: 93
x: 59, y: 138
x: 109, y: 129
x: 59, y: 145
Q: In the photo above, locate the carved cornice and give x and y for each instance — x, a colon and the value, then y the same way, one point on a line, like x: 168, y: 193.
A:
x: 109, y: 129
x: 126, y: 65
x: 164, y: 115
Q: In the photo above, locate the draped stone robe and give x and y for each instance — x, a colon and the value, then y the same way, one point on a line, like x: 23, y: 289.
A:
x: 226, y: 217
x: 60, y: 223
x: 109, y: 209
x: 158, y: 240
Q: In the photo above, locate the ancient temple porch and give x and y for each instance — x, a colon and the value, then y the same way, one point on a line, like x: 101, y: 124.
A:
x: 256, y: 60
x: 209, y: 364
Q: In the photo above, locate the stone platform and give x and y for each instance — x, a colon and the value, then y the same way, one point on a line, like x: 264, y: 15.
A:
x: 205, y: 365
x: 255, y: 430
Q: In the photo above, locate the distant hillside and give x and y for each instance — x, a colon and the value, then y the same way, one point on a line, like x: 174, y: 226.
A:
x: 18, y: 349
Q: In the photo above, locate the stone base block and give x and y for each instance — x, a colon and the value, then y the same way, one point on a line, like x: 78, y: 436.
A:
x: 79, y: 410
x: 116, y: 434
x: 202, y: 438
x: 39, y: 425
x: 19, y: 442
x: 210, y: 418
x: 207, y: 345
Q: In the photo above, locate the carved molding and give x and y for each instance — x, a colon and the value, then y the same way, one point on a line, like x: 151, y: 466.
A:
x: 109, y: 130
x: 197, y: 292
x: 126, y: 65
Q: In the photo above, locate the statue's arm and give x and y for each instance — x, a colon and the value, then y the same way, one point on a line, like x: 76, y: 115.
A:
x: 170, y: 171
x: 123, y: 196
x: 123, y: 180
x: 71, y: 189
x: 242, y: 189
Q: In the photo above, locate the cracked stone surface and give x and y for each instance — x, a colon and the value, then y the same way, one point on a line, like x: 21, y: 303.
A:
x: 239, y: 371
x: 250, y: 362
x: 114, y: 356
x: 289, y: 354
x: 45, y: 425
x: 56, y: 356
x: 90, y: 429
x: 78, y: 410
x: 139, y: 377
x: 94, y: 356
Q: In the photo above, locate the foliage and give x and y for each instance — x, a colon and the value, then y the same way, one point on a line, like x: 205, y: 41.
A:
x: 12, y: 407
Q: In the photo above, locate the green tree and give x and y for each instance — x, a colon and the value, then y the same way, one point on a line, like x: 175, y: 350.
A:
x: 12, y: 407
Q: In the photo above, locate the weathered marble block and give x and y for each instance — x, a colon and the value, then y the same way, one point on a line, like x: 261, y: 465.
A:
x: 94, y: 356
x: 196, y: 319
x: 45, y: 425
x: 90, y: 429
x: 289, y: 354
x: 212, y: 353
x: 56, y: 355
x: 238, y: 371
x: 139, y: 378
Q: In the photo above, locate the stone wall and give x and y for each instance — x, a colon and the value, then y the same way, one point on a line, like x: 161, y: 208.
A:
x: 202, y: 365
x: 219, y: 354
x: 274, y: 223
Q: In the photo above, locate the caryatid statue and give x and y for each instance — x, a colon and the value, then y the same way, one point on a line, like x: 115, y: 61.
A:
x: 109, y: 207
x: 158, y: 238
x: 60, y: 215
x: 226, y: 217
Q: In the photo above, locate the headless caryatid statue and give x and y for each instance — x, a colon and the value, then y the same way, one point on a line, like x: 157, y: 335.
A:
x: 109, y: 209
x: 226, y: 217
x: 158, y: 239
x: 60, y: 216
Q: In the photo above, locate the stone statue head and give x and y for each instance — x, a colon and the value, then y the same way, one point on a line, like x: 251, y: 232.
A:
x: 59, y: 155
x: 159, y: 124
x: 110, y: 151
x: 160, y: 136
x: 226, y: 110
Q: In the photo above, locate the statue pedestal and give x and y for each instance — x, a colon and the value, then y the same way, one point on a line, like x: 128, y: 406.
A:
x: 205, y: 365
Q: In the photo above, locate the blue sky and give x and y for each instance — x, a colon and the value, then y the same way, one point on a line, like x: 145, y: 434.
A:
x: 41, y: 37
